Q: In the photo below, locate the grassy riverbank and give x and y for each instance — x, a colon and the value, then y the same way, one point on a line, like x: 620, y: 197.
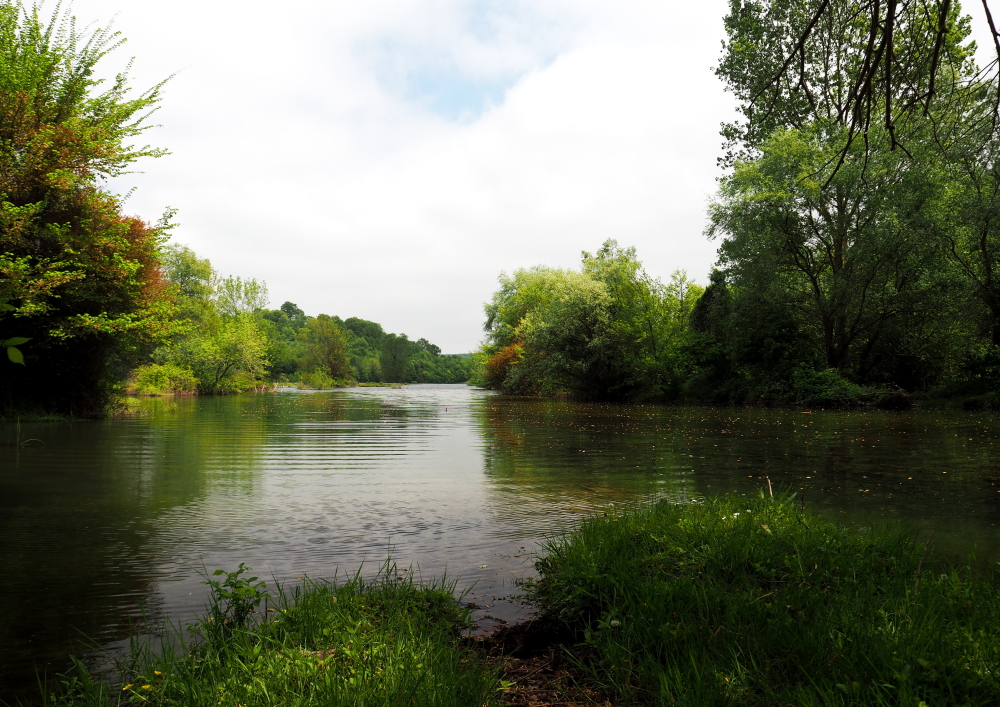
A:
x: 387, y: 641
x: 730, y: 601
x: 752, y: 602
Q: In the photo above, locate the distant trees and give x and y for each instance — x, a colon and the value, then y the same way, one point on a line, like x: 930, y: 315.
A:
x: 221, y: 342
x: 226, y: 341
x: 83, y: 279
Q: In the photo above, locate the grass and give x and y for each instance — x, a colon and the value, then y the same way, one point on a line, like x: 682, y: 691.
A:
x: 751, y: 602
x: 728, y: 601
x: 386, y: 641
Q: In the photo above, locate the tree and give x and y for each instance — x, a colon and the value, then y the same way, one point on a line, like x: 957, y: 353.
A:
x: 608, y: 332
x: 228, y: 357
x: 84, y: 279
x: 971, y: 225
x: 395, y: 356
x: 234, y: 295
x: 193, y: 277
x: 848, y: 251
x: 372, y: 332
x: 295, y: 315
x: 430, y: 348
x: 862, y: 65
x: 325, y: 347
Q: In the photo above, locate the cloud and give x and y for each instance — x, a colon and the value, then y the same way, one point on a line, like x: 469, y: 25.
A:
x: 388, y: 159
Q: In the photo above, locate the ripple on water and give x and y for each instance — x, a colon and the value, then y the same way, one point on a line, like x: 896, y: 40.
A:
x: 108, y: 520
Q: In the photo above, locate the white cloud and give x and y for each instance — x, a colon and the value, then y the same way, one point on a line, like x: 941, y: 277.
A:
x: 388, y: 159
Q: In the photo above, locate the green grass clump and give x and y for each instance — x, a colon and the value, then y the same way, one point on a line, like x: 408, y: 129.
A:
x: 386, y: 641
x: 737, y: 601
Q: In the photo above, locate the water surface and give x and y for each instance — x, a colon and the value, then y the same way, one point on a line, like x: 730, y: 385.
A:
x: 104, y: 525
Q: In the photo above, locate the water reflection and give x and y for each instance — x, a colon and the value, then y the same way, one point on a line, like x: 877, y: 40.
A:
x: 934, y: 470
x: 106, y: 520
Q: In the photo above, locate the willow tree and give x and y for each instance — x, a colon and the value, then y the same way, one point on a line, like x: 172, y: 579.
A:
x: 83, y: 278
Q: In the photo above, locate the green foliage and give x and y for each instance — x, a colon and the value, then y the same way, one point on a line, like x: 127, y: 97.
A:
x: 324, y: 351
x: 753, y: 602
x: 227, y: 356
x: 14, y: 354
x: 370, y: 331
x: 380, y: 642
x: 325, y: 346
x: 849, y: 243
x: 158, y: 379
x: 84, y: 279
x: 316, y: 380
x: 192, y: 275
x: 847, y: 252
x: 234, y: 599
x: 235, y: 296
x: 832, y: 75
x: 608, y: 332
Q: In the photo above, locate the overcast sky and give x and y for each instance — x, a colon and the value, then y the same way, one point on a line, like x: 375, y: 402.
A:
x: 388, y: 159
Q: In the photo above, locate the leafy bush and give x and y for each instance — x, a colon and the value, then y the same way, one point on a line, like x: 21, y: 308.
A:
x: 317, y: 380
x: 825, y: 388
x: 158, y: 379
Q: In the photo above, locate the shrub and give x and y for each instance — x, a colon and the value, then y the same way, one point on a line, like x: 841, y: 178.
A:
x: 317, y: 380
x: 159, y: 379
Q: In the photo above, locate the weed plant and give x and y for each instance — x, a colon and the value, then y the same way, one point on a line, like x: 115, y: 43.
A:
x: 386, y: 641
x: 752, y: 602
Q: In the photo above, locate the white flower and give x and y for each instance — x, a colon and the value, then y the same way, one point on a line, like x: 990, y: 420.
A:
x: 616, y: 622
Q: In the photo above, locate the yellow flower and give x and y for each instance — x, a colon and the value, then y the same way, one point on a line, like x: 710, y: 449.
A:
x: 157, y: 672
x: 127, y: 687
x: 146, y: 687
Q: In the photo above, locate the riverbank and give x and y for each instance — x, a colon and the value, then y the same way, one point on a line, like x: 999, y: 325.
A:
x: 382, y: 641
x: 731, y: 600
x: 755, y: 602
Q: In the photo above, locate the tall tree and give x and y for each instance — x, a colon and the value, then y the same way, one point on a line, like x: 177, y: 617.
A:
x: 395, y: 356
x: 862, y: 65
x: 848, y: 252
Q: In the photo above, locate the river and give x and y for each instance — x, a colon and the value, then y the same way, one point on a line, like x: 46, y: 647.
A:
x: 104, y: 526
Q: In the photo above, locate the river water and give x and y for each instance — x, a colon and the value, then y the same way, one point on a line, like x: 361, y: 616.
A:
x: 104, y: 526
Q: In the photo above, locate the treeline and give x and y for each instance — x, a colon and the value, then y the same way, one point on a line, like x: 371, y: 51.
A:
x: 91, y: 297
x: 859, y: 252
x: 228, y: 341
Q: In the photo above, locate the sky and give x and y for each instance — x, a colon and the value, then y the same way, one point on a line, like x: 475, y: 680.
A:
x: 389, y: 159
